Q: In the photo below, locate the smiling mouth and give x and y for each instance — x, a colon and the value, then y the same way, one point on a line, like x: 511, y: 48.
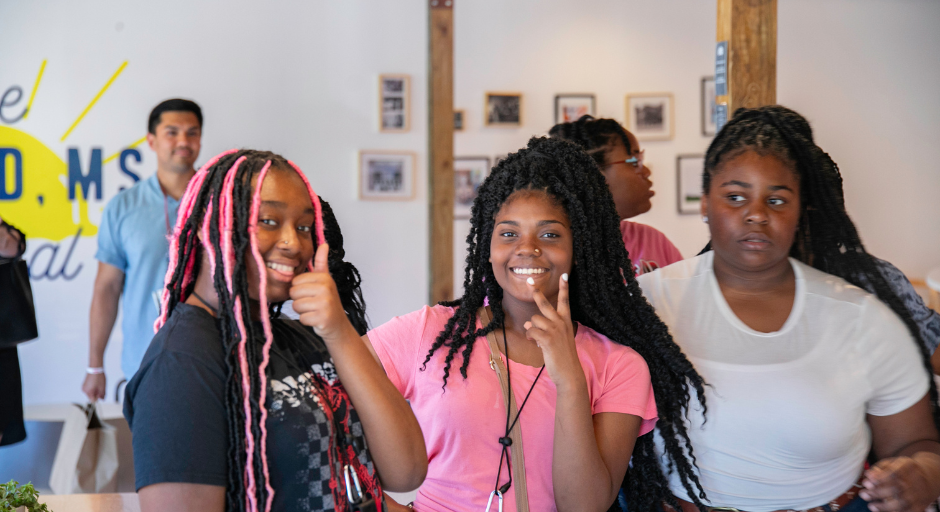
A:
x: 281, y: 272
x: 528, y: 271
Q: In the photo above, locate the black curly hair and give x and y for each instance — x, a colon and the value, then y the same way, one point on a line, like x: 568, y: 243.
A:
x: 604, y: 296
x: 228, y: 179
x: 826, y: 238
x: 595, y: 136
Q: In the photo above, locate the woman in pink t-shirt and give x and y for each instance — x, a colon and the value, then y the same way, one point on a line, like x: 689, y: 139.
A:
x: 620, y: 159
x: 583, y: 371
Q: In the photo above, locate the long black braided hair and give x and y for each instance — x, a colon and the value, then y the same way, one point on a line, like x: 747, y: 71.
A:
x: 228, y: 178
x: 826, y: 237
x: 604, y: 296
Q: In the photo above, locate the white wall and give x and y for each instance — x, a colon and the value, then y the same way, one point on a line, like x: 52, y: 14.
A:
x: 865, y: 72
x: 300, y: 78
x: 867, y: 75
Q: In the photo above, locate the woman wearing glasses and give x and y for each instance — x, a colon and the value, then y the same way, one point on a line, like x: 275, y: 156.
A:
x: 620, y: 159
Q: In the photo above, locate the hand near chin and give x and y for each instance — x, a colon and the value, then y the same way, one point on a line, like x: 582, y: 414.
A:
x: 553, y: 332
x: 317, y: 301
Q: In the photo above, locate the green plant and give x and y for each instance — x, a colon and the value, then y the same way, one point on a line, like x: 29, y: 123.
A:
x: 13, y: 496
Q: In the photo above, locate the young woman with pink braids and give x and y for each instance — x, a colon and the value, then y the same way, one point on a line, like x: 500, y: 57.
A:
x: 236, y: 408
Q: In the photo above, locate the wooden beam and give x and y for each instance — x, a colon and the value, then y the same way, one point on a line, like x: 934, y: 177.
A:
x: 441, y: 149
x: 750, y: 28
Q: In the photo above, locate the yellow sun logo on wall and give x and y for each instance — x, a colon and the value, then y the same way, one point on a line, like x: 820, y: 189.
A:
x: 40, y: 193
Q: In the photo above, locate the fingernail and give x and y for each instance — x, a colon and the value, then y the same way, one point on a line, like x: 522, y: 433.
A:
x: 530, y: 281
x: 565, y: 276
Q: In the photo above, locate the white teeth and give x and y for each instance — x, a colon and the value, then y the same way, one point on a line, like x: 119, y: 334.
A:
x: 528, y: 271
x: 279, y: 267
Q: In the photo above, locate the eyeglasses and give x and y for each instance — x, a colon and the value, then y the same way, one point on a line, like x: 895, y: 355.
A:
x: 636, y: 160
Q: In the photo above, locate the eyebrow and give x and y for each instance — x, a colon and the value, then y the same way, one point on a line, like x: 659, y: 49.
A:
x: 176, y: 127
x: 540, y: 223
x: 748, y: 185
x: 281, y: 205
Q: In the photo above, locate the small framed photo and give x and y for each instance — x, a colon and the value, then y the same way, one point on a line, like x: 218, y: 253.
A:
x: 503, y: 109
x: 469, y: 173
x: 689, y: 169
x: 386, y: 175
x: 650, y: 115
x: 570, y: 107
x: 394, y: 103
x: 709, y: 108
x: 459, y: 117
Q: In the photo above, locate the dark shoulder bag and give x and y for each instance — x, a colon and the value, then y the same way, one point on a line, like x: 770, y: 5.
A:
x: 17, y: 314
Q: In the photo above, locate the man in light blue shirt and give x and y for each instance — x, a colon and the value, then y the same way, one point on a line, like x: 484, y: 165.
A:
x: 132, y: 242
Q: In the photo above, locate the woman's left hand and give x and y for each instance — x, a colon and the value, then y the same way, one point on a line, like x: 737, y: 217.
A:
x: 901, y: 483
x: 553, y: 332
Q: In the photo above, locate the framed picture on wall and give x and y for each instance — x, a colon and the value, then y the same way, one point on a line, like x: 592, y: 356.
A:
x: 394, y: 103
x: 650, y: 115
x: 469, y: 173
x: 709, y: 109
x: 459, y: 117
x: 570, y: 107
x: 386, y: 175
x: 503, y: 109
x: 689, y: 170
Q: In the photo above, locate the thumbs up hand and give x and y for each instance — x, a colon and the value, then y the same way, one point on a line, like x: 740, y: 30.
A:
x: 317, y: 301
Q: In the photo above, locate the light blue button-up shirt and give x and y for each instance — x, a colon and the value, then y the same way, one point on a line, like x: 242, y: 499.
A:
x: 133, y: 238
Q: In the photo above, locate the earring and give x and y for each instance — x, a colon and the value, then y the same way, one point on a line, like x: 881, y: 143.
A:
x: 705, y: 219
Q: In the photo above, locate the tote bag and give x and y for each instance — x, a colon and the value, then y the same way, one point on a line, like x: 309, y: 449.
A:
x: 86, y: 460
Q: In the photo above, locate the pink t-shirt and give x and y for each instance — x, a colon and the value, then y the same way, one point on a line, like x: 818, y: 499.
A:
x: 649, y: 249
x: 463, y: 423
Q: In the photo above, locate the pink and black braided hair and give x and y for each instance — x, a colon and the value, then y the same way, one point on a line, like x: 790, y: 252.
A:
x: 221, y: 206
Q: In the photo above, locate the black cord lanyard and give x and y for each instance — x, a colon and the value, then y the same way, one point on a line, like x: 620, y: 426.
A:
x: 206, y: 304
x: 506, y: 441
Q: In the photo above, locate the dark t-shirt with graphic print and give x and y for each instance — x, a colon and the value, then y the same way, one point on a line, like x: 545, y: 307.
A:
x: 175, y: 406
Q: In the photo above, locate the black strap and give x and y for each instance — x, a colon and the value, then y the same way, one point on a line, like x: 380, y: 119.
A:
x: 506, y: 441
x: 206, y: 304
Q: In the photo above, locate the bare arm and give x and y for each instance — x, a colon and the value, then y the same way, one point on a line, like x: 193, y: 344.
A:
x: 907, y: 475
x: 589, y: 454
x: 393, y: 433
x: 104, y: 306
x: 182, y: 498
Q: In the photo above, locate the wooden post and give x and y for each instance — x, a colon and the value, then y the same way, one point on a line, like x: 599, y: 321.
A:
x: 441, y: 149
x: 750, y: 29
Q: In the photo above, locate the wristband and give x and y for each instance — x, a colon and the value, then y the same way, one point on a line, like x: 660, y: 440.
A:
x: 94, y: 371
